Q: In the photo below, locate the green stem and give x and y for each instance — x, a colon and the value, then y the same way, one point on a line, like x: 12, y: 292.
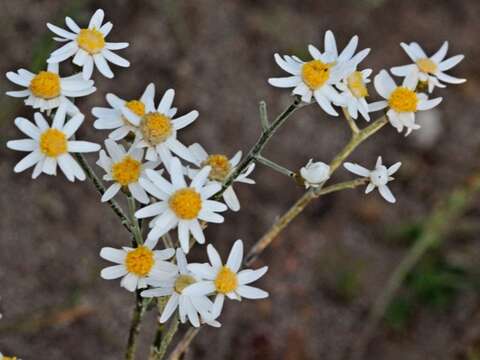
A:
x: 136, y: 231
x: 138, y: 313
x: 273, y: 165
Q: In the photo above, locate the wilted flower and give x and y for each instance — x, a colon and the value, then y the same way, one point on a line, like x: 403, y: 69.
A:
x: 315, y: 173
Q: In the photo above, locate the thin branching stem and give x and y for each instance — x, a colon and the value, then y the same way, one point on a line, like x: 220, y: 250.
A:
x: 263, y: 116
x: 136, y: 231
x: 183, y: 345
x: 274, y: 166
x: 351, y: 123
x: 137, y: 316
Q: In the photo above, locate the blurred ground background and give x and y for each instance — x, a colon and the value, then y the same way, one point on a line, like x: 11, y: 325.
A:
x: 330, y: 265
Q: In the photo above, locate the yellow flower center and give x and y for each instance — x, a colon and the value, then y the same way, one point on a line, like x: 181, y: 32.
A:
x: 226, y: 280
x: 140, y: 261
x: 126, y: 171
x: 137, y: 107
x: 45, y: 85
x: 91, y: 40
x: 9, y: 358
x: 186, y: 203
x: 53, y: 143
x: 357, y: 85
x: 427, y: 66
x: 403, y: 100
x: 315, y: 73
x: 155, y: 127
x: 182, y: 282
x: 220, y: 166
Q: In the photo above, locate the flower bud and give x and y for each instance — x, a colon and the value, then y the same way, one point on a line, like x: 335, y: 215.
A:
x: 315, y: 173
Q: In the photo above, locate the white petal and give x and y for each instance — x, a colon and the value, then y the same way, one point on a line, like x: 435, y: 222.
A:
x: 170, y: 308
x: 96, y: 20
x: 111, y: 192
x: 28, y: 161
x: 386, y: 193
x: 356, y: 169
x: 284, y: 82
x: 199, y: 288
x: 213, y: 256
x: 82, y: 146
x: 185, y: 120
x: 250, y: 292
x: 113, y: 272
x: 248, y: 276
x: 166, y: 102
x: 115, y: 59
x: 235, y: 257
x: 22, y: 145
x: 103, y: 66
x: 113, y: 255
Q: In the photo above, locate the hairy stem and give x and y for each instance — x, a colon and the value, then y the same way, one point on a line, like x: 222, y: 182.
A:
x: 101, y: 189
x: 135, y: 227
x: 273, y: 165
x: 137, y: 316
x: 161, y: 349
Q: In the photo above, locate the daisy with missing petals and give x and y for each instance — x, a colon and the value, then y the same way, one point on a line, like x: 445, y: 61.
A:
x: 113, y: 118
x: 180, y: 204
x: 221, y: 168
x: 136, y: 265
x: 156, y: 130
x: 318, y: 77
x: 188, y: 306
x: 49, y: 145
x: 124, y: 169
x: 403, y: 101
x: 47, y: 90
x: 354, y: 91
x: 379, y: 177
x: 429, y: 70
x: 88, y: 46
x: 226, y: 280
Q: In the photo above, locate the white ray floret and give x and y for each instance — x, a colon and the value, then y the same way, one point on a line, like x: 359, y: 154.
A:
x: 379, y: 177
x: 315, y: 174
x: 354, y: 91
x: 222, y: 167
x: 317, y: 78
x: 226, y: 280
x: 88, y: 46
x: 47, y: 90
x: 403, y: 101
x: 156, y: 130
x: 50, y: 146
x: 196, y: 309
x: 429, y: 69
x: 180, y: 204
x: 136, y: 265
x: 112, y: 118
x: 124, y: 168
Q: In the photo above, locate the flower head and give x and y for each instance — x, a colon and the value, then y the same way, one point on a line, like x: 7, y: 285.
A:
x: 156, y: 130
x: 124, y: 168
x: 195, y: 308
x: 379, y: 177
x: 403, y: 101
x: 47, y: 90
x: 88, y: 46
x: 318, y: 76
x: 3, y: 357
x: 315, y: 173
x: 354, y: 91
x: 136, y: 265
x: 112, y: 118
x: 50, y: 145
x: 429, y: 69
x: 226, y: 280
x: 180, y: 204
x: 222, y: 167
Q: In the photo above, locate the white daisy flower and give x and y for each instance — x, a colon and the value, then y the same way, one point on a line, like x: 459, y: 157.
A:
x: 156, y: 130
x: 124, y: 169
x: 403, y: 101
x: 317, y: 77
x: 113, y: 118
x: 195, y: 308
x: 49, y: 145
x: 88, y: 46
x: 136, y: 265
x: 226, y: 280
x: 315, y: 173
x: 429, y: 69
x: 47, y: 90
x: 354, y: 91
x: 379, y: 177
x: 221, y: 168
x: 180, y: 204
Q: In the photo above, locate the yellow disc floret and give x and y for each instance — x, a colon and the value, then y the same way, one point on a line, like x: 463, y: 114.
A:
x: 155, y: 127
x: 137, y: 107
x: 186, y: 203
x: 53, y: 143
x: 220, y: 166
x: 357, y: 85
x: 226, y: 280
x: 427, y: 66
x: 126, y: 171
x: 403, y: 99
x: 45, y: 85
x: 315, y: 73
x: 140, y: 261
x: 182, y: 282
x: 91, y: 40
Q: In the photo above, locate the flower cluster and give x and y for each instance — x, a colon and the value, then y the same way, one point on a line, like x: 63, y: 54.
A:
x: 180, y: 188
